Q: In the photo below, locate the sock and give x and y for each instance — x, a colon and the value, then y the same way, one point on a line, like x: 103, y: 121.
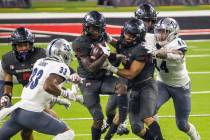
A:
x: 154, y: 128
x: 110, y: 118
x: 123, y: 107
x: 111, y: 132
x: 96, y: 133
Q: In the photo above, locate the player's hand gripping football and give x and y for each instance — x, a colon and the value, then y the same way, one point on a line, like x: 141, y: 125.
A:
x: 105, y: 49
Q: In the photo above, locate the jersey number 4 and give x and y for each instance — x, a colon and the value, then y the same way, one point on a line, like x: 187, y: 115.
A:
x: 163, y: 66
x: 34, y: 79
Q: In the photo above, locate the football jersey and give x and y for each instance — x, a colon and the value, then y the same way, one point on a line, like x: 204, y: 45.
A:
x: 137, y: 53
x: 33, y: 95
x: 14, y: 79
x: 82, y: 47
x: 21, y: 70
x: 173, y: 72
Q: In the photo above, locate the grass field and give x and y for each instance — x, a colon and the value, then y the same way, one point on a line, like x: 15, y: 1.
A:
x: 88, y: 6
x: 198, y: 60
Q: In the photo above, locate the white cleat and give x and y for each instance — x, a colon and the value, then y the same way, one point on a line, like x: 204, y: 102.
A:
x: 193, y: 133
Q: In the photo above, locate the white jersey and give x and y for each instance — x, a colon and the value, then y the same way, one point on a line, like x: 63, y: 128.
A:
x: 173, y: 72
x: 150, y: 42
x: 34, y: 97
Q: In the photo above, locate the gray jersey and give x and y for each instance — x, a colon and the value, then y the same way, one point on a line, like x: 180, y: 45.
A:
x: 173, y: 72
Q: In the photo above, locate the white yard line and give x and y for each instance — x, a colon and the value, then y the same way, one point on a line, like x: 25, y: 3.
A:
x: 160, y: 116
x: 197, y: 55
x: 200, y: 72
x: 193, y: 92
x: 46, y: 15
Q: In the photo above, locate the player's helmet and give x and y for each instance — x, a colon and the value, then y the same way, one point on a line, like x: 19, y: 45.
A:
x: 136, y: 29
x: 60, y: 49
x: 166, y: 30
x: 22, y: 35
x: 146, y: 12
x: 97, y: 21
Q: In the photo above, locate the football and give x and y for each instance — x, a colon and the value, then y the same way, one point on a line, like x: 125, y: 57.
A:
x: 96, y: 52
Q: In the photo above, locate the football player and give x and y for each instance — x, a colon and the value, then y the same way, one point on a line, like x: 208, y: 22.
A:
x: 45, y: 82
x: 96, y: 79
x: 145, y: 12
x: 139, y: 70
x: 16, y: 67
x: 172, y: 78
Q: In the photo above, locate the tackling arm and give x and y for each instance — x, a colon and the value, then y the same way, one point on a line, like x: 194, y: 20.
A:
x: 51, y: 84
x: 135, y: 68
x: 8, y: 85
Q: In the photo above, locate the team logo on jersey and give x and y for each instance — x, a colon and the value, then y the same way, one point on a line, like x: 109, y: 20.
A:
x: 12, y: 67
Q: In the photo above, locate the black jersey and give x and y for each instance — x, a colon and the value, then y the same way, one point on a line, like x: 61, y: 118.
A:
x: 138, y: 53
x: 82, y: 47
x: 22, y: 70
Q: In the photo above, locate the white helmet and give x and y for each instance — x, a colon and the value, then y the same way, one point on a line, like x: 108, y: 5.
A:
x: 60, y: 49
x: 166, y: 30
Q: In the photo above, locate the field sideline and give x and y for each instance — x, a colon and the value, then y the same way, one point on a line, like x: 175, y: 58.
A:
x: 78, y: 118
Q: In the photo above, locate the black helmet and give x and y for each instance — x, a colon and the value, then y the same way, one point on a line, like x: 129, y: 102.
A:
x: 96, y: 20
x: 136, y: 28
x: 146, y: 12
x: 22, y: 35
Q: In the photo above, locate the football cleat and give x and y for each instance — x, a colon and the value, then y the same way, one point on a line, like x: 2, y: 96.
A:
x: 104, y: 127
x: 122, y: 129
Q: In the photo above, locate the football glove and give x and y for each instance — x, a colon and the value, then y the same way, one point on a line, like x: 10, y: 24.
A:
x: 105, y: 49
x: 108, y: 66
x: 70, y: 93
x: 60, y: 101
x: 75, y: 78
x: 5, y: 101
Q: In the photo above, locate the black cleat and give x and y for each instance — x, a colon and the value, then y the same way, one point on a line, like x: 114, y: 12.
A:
x: 122, y: 129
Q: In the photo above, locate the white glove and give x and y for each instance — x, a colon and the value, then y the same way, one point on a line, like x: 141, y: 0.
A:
x: 75, y: 78
x: 60, y: 101
x: 151, y: 48
x: 108, y: 66
x: 79, y: 99
x: 161, y: 53
x: 105, y: 64
x: 4, y: 101
x: 70, y: 93
x: 105, y: 49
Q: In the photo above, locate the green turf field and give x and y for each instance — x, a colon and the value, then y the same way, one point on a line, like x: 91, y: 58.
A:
x: 88, y: 6
x: 198, y: 60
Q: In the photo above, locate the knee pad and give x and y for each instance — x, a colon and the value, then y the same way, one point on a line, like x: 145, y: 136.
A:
x: 67, y: 135
x: 182, y: 125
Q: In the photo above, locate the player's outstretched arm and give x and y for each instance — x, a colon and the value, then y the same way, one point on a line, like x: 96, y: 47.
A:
x: 51, y: 84
x: 8, y: 86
